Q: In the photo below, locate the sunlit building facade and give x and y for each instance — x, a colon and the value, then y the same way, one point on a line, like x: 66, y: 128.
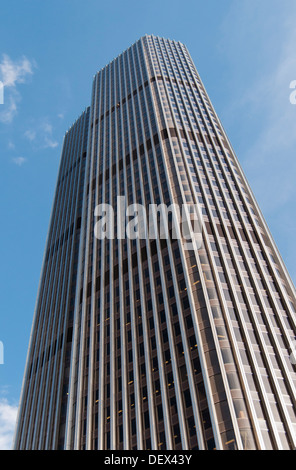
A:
x: 143, y: 344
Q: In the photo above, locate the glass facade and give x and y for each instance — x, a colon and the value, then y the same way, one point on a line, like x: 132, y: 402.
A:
x: 139, y: 343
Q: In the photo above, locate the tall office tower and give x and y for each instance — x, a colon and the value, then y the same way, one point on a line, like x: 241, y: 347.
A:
x: 142, y: 343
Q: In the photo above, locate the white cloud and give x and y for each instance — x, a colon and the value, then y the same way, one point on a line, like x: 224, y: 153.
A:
x: 11, y: 145
x: 259, y: 109
x: 258, y: 55
x: 46, y: 128
x: 19, y: 161
x: 8, y: 414
x: 273, y: 152
x: 30, y: 135
x: 10, y: 107
x: 12, y: 73
x: 50, y: 143
x: 41, y: 134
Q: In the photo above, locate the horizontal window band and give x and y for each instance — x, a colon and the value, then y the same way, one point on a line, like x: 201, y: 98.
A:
x: 140, y: 88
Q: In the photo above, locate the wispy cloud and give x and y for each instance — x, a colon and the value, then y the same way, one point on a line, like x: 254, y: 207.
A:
x: 13, y: 73
x: 273, y: 152
x: 19, y: 161
x: 11, y: 145
x: 10, y: 107
x: 30, y: 135
x: 8, y: 414
x: 47, y: 130
x: 260, y: 91
x: 41, y: 134
x: 258, y: 111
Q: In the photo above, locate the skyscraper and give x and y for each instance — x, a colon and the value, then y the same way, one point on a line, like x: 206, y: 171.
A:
x: 142, y: 343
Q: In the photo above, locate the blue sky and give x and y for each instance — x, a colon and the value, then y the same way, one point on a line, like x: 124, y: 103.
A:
x: 49, y: 51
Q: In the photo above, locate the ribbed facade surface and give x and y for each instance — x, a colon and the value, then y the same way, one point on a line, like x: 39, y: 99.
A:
x: 143, y: 344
